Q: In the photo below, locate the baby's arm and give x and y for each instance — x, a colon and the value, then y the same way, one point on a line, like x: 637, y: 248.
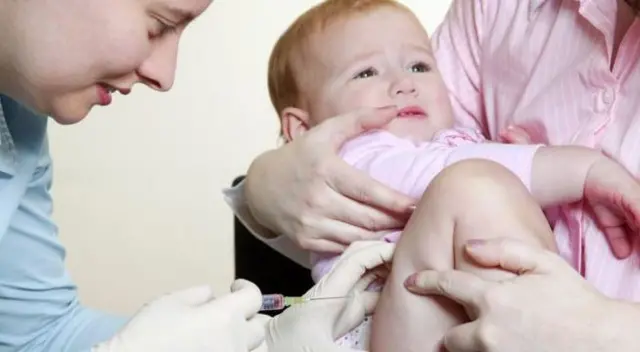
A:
x: 568, y: 174
x: 477, y: 199
x: 559, y: 174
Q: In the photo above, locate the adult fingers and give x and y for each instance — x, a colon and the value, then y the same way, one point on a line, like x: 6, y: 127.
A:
x: 340, y: 129
x: 256, y: 331
x: 368, y: 297
x: 352, y: 314
x: 370, y: 301
x: 351, y: 267
x: 342, y: 232
x: 465, y: 288
x: 323, y: 245
x: 347, y: 209
x: 245, y: 298
x: 193, y: 296
x: 463, y: 338
x: 514, y: 256
x: 332, y: 236
x: 355, y: 184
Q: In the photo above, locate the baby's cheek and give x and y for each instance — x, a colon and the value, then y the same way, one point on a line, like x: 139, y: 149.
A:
x: 442, y: 98
x: 442, y: 102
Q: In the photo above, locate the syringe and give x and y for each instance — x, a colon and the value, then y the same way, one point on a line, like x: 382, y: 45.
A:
x: 278, y: 302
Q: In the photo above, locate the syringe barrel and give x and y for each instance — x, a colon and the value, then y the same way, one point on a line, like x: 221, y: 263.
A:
x: 272, y: 302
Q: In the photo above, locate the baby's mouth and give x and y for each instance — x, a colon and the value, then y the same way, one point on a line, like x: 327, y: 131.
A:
x: 412, y: 111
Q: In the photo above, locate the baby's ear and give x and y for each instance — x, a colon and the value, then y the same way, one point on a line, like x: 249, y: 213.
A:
x: 295, y: 122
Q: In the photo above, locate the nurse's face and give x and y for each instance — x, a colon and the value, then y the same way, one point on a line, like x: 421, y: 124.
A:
x: 66, y: 56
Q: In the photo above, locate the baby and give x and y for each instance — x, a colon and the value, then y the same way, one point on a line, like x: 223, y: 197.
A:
x: 343, y: 55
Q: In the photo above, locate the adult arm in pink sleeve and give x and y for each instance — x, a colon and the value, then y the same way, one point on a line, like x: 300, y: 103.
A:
x: 457, y: 49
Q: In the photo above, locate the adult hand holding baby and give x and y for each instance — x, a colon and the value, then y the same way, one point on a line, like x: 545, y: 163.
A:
x: 547, y: 307
x: 327, y: 204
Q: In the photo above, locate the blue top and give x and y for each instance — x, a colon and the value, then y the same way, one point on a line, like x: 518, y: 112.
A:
x: 39, y: 307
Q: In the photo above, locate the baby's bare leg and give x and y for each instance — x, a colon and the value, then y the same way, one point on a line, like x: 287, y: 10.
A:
x: 472, y: 199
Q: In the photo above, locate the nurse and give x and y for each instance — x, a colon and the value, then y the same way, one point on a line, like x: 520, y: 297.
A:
x: 59, y: 58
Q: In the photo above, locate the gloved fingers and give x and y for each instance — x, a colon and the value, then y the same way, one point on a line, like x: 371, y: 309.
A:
x: 352, y: 265
x: 262, y: 319
x: 351, y: 315
x: 245, y: 299
x: 370, y: 301
x: 366, y: 281
x: 256, y: 329
x: 356, y: 246
x: 383, y: 270
x: 241, y: 284
x: 193, y: 296
x: 264, y: 347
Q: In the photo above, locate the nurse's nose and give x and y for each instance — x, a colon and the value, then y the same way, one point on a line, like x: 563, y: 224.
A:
x: 159, y: 69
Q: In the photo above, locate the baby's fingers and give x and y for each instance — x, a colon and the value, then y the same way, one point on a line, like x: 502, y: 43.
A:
x: 631, y: 210
x: 615, y: 229
x: 515, y: 135
x: 619, y: 240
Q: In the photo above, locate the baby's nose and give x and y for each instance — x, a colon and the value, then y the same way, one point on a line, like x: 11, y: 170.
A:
x: 404, y: 86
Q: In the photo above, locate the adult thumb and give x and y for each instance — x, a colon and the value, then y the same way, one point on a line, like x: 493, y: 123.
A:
x: 341, y: 128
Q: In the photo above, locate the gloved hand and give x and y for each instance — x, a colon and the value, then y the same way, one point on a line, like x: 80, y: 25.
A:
x: 194, y: 321
x: 314, y: 326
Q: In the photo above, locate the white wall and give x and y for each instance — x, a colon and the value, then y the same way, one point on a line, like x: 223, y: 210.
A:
x: 137, y: 185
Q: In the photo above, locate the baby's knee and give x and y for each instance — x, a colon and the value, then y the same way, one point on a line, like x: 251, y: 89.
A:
x: 484, y: 194
x: 474, y: 181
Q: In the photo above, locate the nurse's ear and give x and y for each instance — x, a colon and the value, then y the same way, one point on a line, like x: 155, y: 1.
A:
x: 295, y: 122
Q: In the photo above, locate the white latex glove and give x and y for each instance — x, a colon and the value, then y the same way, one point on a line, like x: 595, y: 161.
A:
x: 194, y: 321
x: 314, y: 326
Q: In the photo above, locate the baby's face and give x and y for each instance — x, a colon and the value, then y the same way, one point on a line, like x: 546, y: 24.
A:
x: 373, y: 60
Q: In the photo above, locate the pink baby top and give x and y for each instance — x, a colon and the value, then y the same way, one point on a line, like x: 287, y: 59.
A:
x: 409, y: 167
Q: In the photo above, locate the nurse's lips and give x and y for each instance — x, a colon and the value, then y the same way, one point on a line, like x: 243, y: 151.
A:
x: 105, y: 92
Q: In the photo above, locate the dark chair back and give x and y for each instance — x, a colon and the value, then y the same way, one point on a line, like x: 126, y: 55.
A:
x: 271, y: 271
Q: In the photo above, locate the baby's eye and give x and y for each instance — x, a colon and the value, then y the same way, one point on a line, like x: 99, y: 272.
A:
x: 420, y: 67
x: 370, y: 72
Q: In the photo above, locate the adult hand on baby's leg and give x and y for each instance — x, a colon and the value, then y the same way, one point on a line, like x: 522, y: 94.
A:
x: 614, y: 197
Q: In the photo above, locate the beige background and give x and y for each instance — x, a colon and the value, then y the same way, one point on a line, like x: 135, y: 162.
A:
x: 137, y: 185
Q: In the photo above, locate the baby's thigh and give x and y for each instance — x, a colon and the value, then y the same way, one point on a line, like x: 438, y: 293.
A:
x: 492, y: 203
x: 472, y: 199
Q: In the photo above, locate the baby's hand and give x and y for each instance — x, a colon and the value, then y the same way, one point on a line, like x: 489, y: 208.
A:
x: 514, y: 135
x: 614, y: 197
x: 532, y: 132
